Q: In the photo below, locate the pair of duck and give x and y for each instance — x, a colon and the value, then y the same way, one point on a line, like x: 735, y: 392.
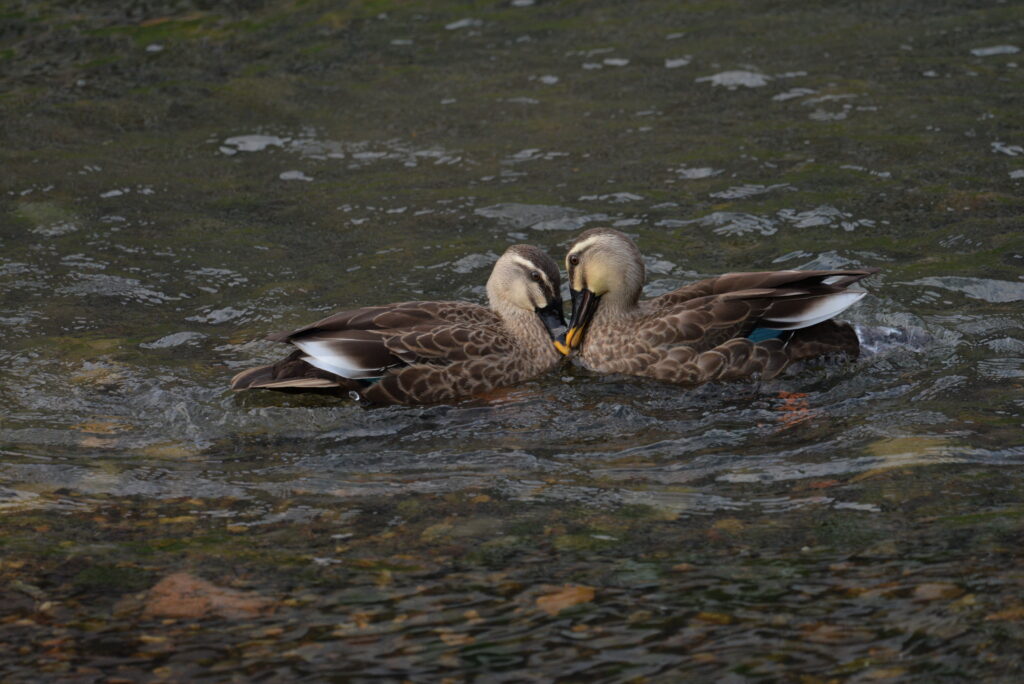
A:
x: 733, y: 326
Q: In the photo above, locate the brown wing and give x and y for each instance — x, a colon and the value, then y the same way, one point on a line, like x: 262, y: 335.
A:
x: 731, y: 282
x: 366, y: 343
x: 701, y: 323
x: 411, y: 352
x: 700, y: 332
x: 705, y: 314
x: 757, y: 280
x: 447, y: 362
x: 394, y: 317
x: 448, y: 343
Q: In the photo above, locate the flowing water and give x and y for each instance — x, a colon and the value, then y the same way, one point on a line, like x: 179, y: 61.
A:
x: 181, y: 178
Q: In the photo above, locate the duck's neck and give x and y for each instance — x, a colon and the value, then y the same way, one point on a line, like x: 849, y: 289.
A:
x: 616, y: 306
x: 526, y: 327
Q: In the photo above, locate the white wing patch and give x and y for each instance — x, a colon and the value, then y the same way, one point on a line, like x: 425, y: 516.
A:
x: 333, y: 360
x: 818, y: 311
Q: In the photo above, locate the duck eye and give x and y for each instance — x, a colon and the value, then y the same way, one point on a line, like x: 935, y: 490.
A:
x: 574, y: 259
x: 535, y: 275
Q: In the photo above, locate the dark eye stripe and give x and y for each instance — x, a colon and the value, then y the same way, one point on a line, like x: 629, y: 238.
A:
x: 544, y: 282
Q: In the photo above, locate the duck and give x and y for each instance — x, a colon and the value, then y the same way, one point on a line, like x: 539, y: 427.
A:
x: 736, y: 325
x: 428, y: 352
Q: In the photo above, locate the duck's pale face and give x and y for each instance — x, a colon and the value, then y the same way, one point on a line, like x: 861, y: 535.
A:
x: 520, y: 282
x: 601, y: 265
x: 524, y: 285
x: 593, y: 272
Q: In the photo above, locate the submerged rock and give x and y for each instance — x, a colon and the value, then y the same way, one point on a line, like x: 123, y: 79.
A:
x: 182, y: 595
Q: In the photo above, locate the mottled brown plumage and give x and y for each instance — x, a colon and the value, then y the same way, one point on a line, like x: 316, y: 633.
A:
x: 700, y: 332
x: 429, y: 352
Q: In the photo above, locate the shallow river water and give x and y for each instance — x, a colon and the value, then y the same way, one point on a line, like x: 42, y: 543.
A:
x: 181, y: 178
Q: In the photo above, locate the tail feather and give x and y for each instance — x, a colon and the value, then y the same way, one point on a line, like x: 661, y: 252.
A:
x: 826, y: 338
x: 299, y: 383
x: 291, y: 373
x: 253, y: 377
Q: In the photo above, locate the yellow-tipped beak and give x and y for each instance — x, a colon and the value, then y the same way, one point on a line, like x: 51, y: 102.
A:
x: 572, y: 337
x: 584, y: 304
x: 572, y: 340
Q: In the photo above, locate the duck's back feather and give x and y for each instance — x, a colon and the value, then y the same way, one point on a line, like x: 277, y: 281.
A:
x: 395, y: 317
x: 735, y: 325
x: 410, y: 352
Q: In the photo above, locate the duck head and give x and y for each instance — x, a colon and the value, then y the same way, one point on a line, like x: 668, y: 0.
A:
x: 526, y: 279
x: 605, y: 269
